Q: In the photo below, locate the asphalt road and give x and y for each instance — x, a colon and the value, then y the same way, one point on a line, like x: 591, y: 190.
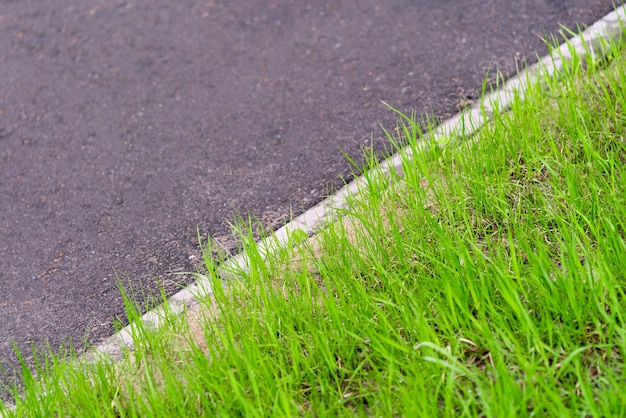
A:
x: 125, y: 125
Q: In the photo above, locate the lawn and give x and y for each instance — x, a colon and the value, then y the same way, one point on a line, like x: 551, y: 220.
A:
x: 487, y: 277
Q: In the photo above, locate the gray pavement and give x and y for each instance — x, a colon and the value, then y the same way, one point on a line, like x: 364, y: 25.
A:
x: 124, y: 126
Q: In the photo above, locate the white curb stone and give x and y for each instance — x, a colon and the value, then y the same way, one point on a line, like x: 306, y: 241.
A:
x: 609, y: 28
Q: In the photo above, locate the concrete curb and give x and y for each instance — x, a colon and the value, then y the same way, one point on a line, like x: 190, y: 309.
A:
x: 592, y: 40
x: 607, y: 29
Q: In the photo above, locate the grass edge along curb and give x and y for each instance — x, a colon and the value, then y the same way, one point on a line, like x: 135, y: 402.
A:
x: 591, y: 41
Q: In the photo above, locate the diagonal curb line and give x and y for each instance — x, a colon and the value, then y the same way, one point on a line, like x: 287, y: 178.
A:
x: 592, y: 41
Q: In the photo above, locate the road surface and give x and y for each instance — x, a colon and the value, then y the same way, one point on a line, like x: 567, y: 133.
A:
x: 125, y: 126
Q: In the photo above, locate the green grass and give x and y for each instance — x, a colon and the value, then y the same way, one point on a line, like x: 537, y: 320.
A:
x: 488, y: 280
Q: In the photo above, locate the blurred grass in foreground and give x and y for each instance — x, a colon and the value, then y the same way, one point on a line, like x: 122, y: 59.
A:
x: 488, y: 280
